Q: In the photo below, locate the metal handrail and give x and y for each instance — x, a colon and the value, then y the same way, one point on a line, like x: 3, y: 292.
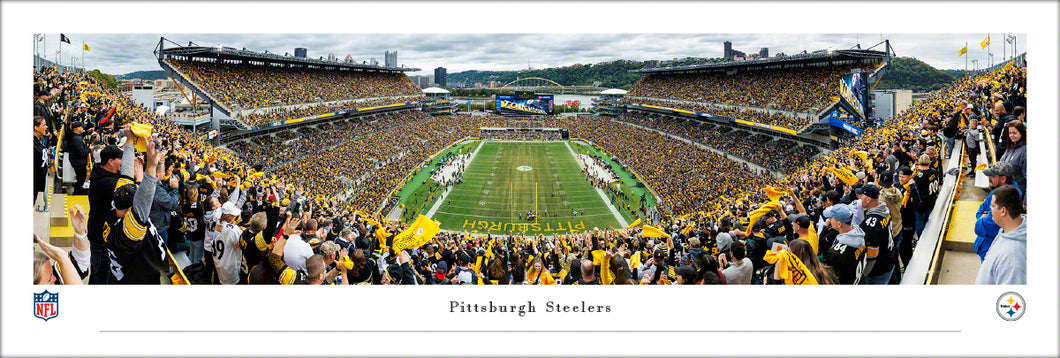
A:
x: 925, y: 261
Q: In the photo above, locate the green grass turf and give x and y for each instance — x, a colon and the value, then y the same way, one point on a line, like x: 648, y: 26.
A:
x: 421, y: 181
x: 629, y: 188
x: 494, y: 193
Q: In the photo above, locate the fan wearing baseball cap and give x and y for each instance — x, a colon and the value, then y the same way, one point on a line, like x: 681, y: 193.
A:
x: 227, y: 252
x: 1000, y: 173
x: 879, y: 256
x: 847, y: 254
x: 115, y: 166
x: 137, y: 253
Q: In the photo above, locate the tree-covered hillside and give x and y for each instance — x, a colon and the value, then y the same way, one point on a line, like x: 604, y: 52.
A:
x: 610, y: 74
x: 913, y: 74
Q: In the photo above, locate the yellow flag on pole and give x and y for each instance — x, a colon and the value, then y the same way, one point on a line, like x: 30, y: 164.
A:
x: 86, y: 46
x: 986, y: 42
x: 962, y: 51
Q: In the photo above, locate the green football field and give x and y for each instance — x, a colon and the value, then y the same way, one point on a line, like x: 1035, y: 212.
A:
x: 505, y: 180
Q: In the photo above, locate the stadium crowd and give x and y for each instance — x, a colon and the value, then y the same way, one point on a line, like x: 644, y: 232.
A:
x: 248, y: 86
x: 779, y: 155
x: 789, y: 89
x: 824, y: 223
x: 280, y: 115
x: 789, y: 121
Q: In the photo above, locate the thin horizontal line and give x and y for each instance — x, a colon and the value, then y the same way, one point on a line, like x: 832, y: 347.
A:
x: 528, y: 331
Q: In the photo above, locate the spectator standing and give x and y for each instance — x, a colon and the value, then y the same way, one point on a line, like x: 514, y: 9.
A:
x: 879, y: 257
x: 78, y: 152
x: 847, y: 253
x: 740, y: 270
x: 1006, y: 261
x: 971, y: 142
x: 1001, y: 118
x: 166, y: 202
x: 1000, y: 174
x: 926, y: 180
x: 910, y: 205
x: 116, y: 165
x: 40, y: 156
x: 950, y: 132
x: 1016, y: 154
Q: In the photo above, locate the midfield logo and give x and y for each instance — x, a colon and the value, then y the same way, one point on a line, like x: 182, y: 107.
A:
x: 46, y: 305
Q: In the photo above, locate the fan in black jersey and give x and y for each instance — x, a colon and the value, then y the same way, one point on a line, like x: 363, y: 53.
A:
x: 255, y: 245
x: 928, y: 185
x: 880, y: 250
x: 847, y: 253
x: 195, y: 226
x: 136, y: 251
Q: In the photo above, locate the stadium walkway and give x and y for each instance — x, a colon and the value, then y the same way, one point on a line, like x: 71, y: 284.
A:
x: 960, y: 264
x: 441, y: 198
x: 621, y: 220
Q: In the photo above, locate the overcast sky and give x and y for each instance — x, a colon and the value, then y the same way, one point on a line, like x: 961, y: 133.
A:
x: 124, y: 53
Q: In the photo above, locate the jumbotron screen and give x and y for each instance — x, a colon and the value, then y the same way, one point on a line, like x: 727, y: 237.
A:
x: 525, y: 103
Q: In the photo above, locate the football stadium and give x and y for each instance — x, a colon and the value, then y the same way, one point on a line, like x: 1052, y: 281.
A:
x: 260, y: 168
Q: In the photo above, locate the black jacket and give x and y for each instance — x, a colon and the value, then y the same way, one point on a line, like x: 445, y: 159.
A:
x: 78, y: 150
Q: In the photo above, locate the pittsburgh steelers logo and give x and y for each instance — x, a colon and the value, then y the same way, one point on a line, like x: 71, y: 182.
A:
x: 524, y: 168
x: 1010, y: 306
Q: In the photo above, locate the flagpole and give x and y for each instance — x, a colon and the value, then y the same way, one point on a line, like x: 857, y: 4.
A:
x: 966, y: 56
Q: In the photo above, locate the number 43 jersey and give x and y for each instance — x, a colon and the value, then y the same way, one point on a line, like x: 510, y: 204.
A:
x: 228, y: 253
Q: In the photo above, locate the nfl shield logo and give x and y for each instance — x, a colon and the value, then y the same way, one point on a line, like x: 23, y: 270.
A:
x: 46, y: 305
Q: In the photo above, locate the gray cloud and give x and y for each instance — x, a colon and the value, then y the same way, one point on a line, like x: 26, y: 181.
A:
x: 123, y: 53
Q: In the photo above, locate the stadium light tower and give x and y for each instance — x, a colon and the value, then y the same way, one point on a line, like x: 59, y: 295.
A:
x: 976, y: 63
x: 1012, y: 40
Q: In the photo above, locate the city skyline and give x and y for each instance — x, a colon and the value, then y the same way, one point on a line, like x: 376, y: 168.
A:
x: 119, y: 54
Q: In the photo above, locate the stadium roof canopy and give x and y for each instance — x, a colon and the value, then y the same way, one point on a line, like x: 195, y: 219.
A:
x: 435, y: 90
x: 228, y: 53
x: 805, y: 58
x: 614, y: 91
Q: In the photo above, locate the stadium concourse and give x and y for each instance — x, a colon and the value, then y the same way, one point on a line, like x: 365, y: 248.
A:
x: 311, y: 211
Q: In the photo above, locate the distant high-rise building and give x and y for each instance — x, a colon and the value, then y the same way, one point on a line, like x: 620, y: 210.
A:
x: 391, y: 59
x: 728, y: 50
x: 651, y: 63
x: 439, y: 76
x: 300, y: 52
x: 764, y: 52
x: 331, y: 57
x: 374, y: 62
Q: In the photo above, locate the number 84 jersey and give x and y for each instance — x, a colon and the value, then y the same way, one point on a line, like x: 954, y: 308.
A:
x: 227, y: 253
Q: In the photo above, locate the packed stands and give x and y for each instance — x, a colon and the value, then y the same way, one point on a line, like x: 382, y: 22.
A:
x: 248, y: 86
x: 707, y: 195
